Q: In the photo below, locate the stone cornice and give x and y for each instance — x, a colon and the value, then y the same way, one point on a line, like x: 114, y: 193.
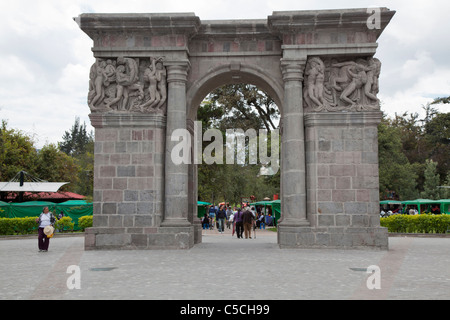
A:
x: 288, y: 22
x: 150, y: 23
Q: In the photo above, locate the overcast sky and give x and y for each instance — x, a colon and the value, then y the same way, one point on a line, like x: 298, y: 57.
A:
x: 45, y: 57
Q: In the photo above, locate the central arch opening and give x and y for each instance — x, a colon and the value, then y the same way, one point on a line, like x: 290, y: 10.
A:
x: 240, y: 125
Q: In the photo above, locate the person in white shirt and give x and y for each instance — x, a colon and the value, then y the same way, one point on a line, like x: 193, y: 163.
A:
x: 45, y: 219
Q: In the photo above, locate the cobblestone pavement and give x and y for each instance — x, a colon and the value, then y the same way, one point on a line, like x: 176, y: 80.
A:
x: 224, y: 267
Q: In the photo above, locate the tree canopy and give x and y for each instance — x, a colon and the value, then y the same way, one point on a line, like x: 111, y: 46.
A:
x: 413, y: 154
x: 236, y: 106
x: 18, y: 153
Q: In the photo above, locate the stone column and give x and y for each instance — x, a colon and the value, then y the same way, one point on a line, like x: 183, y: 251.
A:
x: 293, y: 183
x: 176, y: 175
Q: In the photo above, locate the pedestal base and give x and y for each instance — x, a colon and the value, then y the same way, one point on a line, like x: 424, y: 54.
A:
x: 146, y: 238
x: 333, y: 237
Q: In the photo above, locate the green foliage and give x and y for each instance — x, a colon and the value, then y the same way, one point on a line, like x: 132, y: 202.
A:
x: 423, y: 223
x: 79, y: 145
x: 19, y: 226
x: 413, y: 154
x: 431, y: 190
x: 236, y: 106
x: 28, y: 225
x: 64, y: 224
x: 85, y: 222
x: 54, y: 165
x: 76, y: 141
x: 16, y: 152
x: 395, y: 171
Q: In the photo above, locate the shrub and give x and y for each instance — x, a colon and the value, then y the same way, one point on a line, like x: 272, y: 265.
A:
x: 11, y: 226
x: 85, y: 222
x: 423, y: 223
x: 64, y: 224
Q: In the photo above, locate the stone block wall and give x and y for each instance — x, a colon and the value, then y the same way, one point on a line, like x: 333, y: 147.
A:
x: 128, y: 179
x: 342, y: 179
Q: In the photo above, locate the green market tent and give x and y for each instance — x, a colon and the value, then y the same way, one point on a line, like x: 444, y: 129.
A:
x: 201, y: 208
x: 276, y: 208
x: 445, y: 206
x: 390, y: 202
x: 275, y: 204
x: 29, y: 208
x: 4, y: 209
x: 423, y: 204
x: 72, y: 208
x: 427, y: 203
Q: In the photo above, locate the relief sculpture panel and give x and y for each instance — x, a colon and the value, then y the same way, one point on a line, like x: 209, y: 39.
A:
x: 128, y: 85
x: 333, y: 85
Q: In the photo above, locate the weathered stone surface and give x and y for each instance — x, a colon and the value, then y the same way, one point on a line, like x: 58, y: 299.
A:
x: 153, y: 70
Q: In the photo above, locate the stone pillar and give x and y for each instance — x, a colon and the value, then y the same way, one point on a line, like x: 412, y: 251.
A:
x: 176, y: 175
x: 293, y: 230
x: 293, y: 188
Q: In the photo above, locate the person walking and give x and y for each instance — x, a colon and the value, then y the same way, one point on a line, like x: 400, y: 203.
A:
x: 247, y: 220
x: 239, y: 223
x: 212, y: 216
x: 220, y: 217
x: 205, y: 222
x: 45, y: 221
x: 229, y: 214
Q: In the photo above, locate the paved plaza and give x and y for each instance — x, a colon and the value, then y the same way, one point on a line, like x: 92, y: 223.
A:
x: 224, y: 267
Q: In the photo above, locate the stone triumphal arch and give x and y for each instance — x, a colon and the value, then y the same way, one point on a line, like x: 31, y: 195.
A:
x: 152, y: 72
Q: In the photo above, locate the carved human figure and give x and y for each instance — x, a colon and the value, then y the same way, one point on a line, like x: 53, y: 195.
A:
x: 358, y: 76
x: 98, y: 84
x: 120, y: 78
x: 110, y: 73
x: 129, y: 80
x: 152, y: 77
x: 371, y: 86
x: 315, y: 81
x: 162, y: 76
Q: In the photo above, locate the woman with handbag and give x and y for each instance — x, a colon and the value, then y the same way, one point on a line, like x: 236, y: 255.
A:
x: 45, y: 229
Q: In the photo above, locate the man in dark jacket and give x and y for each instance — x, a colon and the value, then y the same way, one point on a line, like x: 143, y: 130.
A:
x: 248, y: 222
x: 221, y: 216
x: 239, y: 223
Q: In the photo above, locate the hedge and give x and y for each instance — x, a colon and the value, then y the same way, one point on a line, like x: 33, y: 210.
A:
x: 25, y: 225
x: 422, y: 223
x: 28, y: 225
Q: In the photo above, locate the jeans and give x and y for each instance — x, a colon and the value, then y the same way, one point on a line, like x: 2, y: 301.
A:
x: 221, y: 223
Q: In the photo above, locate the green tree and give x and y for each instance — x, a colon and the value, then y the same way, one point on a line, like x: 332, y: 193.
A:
x: 53, y: 165
x: 395, y: 171
x: 230, y: 107
x: 431, y: 185
x: 77, y: 140
x: 17, y: 152
x: 437, y: 137
x: 79, y: 145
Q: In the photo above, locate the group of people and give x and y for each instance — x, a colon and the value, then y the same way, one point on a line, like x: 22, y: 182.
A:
x: 411, y: 210
x: 242, y: 220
